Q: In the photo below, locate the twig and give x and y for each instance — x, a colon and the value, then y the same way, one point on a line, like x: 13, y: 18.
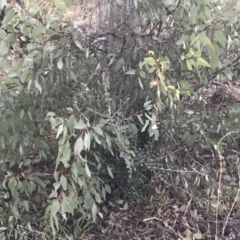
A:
x: 235, y: 200
x: 188, y: 205
x: 220, y: 177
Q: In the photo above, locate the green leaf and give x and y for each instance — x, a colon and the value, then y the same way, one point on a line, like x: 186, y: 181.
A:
x: 150, y: 61
x: 110, y: 172
x: 159, y: 105
x: 60, y: 130
x: 206, y: 40
x: 78, y: 44
x: 39, y: 182
x: 219, y: 37
x: 165, y: 62
x: 78, y: 147
x: 38, y: 86
x: 55, y: 208
x: 56, y: 175
x: 194, y: 41
x: 202, y: 62
x: 54, y: 194
x: 87, y: 141
x: 214, y: 61
x: 12, y: 183
x: 20, y: 149
x: 198, y: 235
x: 60, y: 64
x: 96, y: 138
x: 66, y: 155
x: 37, y: 31
x: 94, y: 212
x: 22, y: 112
x: 195, y: 52
x: 163, y: 87
x: 232, y: 20
x: 8, y: 17
x: 3, y: 3
x: 87, y: 170
x: 131, y: 72
x: 3, y: 48
x: 108, y: 140
x: 107, y: 188
x: 60, y: 4
x: 189, y: 65
x: 147, y: 103
x: 145, y: 126
x: 152, y: 69
x: 87, y: 53
x: 2, y: 34
x: 111, y: 59
x: 3, y: 228
x: 16, y: 66
x: 133, y: 130
x: 98, y: 130
x: 56, y: 185
x: 80, y: 125
x: 49, y: 114
x: 74, y: 170
x: 119, y: 2
x: 63, y: 181
x: 140, y: 119
x: 118, y: 64
x: 142, y: 74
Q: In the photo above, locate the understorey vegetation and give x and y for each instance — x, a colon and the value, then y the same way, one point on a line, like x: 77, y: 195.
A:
x: 133, y: 106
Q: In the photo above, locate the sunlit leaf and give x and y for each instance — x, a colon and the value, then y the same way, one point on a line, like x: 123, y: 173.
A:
x: 87, y: 141
x: 150, y: 61
x: 198, y: 235
x: 201, y: 61
x: 78, y: 147
x: 60, y: 4
x: 87, y: 170
x: 60, y: 64
x: 131, y: 72
x: 189, y: 65
x: 87, y: 53
x: 60, y: 130
x: 94, y: 212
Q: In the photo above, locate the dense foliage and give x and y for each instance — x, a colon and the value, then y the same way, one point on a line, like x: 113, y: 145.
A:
x: 84, y: 114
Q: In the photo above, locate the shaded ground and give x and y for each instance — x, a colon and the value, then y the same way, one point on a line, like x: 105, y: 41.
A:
x: 162, y: 218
